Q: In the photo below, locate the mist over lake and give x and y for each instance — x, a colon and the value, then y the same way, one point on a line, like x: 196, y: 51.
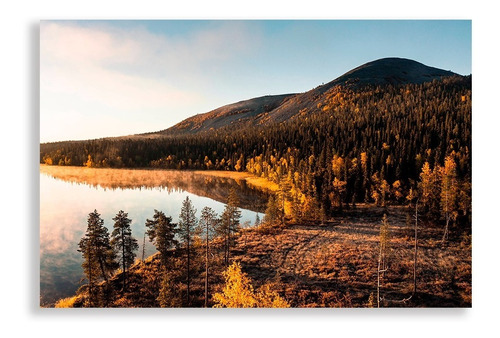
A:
x: 65, y: 206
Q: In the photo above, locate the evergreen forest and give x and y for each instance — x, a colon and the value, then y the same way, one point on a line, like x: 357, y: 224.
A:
x: 367, y: 154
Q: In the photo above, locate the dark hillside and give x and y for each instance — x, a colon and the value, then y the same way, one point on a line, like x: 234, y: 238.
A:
x: 392, y: 71
x: 278, y: 108
x: 237, y: 113
x: 348, y: 144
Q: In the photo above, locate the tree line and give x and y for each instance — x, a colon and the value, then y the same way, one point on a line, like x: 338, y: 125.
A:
x: 358, y: 145
x: 104, y: 254
x: 191, y: 243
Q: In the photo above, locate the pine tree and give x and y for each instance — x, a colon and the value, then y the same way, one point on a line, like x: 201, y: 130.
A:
x: 99, y: 258
x: 229, y: 223
x: 273, y: 212
x: 284, y: 196
x: 208, y: 223
x: 187, y: 225
x: 257, y: 220
x: 143, y: 247
x: 123, y: 242
x: 169, y: 295
x: 161, y: 232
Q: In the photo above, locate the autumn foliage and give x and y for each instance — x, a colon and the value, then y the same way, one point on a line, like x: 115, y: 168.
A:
x: 238, y: 292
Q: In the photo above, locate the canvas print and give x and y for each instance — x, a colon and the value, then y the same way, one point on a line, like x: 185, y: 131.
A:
x: 255, y: 163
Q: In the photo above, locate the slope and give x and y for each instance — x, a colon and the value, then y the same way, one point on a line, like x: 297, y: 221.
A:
x: 278, y: 108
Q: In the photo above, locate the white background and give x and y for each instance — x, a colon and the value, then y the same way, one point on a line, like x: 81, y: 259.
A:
x: 20, y: 202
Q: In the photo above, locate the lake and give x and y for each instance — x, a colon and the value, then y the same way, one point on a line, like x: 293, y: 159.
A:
x: 65, y: 204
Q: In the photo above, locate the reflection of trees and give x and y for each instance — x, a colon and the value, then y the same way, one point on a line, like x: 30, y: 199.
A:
x: 170, y: 181
x: 60, y: 264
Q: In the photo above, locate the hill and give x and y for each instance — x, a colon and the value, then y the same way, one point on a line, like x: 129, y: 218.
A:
x: 278, y: 108
x: 247, y: 111
x: 341, y: 155
x: 337, y: 144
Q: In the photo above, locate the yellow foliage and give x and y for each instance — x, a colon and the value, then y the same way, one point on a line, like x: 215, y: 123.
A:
x: 66, y: 302
x: 337, y: 165
x: 270, y: 299
x: 396, y: 187
x: 364, y: 159
x: 89, y: 163
x: 238, y: 292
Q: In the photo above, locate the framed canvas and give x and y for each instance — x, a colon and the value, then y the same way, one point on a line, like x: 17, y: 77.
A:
x: 255, y: 163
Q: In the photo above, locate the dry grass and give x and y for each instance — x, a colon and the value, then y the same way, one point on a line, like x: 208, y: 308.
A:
x: 336, y: 265
x: 331, y: 265
x: 311, y: 265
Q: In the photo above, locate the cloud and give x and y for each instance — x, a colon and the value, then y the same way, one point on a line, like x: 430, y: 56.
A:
x: 121, y: 72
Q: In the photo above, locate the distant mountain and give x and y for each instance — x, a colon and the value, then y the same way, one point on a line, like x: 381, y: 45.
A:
x: 391, y: 71
x: 248, y: 111
x: 279, y: 108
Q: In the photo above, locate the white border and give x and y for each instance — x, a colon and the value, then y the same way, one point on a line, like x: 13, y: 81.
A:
x: 20, y: 196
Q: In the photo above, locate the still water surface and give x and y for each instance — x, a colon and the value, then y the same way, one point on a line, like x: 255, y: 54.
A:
x: 64, y: 207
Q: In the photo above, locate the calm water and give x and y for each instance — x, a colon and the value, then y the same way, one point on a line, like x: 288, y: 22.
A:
x: 64, y: 207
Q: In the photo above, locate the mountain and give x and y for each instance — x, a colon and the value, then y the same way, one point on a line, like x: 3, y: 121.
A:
x: 279, y: 108
x: 247, y: 111
x: 392, y: 71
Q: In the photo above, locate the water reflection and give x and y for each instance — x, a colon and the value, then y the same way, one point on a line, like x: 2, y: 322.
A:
x: 65, y: 205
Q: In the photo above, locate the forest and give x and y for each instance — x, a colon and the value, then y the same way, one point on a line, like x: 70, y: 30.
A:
x: 187, y: 250
x: 387, y: 146
x: 366, y: 144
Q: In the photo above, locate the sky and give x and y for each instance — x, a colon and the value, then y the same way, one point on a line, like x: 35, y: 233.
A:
x: 113, y: 78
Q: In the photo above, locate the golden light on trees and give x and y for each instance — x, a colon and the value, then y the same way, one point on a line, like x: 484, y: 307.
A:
x: 238, y: 292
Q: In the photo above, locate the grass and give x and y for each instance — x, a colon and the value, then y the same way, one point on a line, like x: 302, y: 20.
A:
x: 310, y: 265
x: 329, y: 265
x: 335, y: 265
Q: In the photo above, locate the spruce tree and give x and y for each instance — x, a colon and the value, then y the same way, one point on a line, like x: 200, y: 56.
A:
x: 169, y: 294
x: 208, y: 223
x: 229, y: 224
x: 187, y: 224
x: 273, y: 212
x: 257, y: 219
x: 123, y: 242
x: 98, y: 255
x: 161, y: 232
